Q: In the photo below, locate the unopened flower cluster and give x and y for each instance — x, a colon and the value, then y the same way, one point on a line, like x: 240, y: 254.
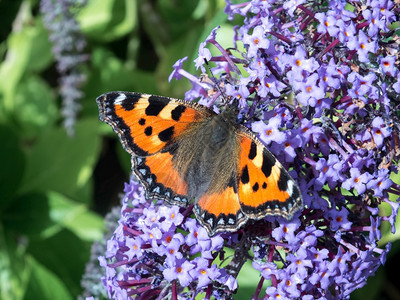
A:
x: 319, y: 85
x: 68, y: 45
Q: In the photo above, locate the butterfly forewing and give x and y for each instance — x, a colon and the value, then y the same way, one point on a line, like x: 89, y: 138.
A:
x: 147, y: 124
x: 149, y: 128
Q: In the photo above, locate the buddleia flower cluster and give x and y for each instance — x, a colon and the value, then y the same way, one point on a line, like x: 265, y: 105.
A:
x: 68, y: 46
x: 318, y: 82
x: 157, y: 250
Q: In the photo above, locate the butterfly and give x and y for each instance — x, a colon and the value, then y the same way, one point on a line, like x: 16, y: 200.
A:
x: 184, y: 153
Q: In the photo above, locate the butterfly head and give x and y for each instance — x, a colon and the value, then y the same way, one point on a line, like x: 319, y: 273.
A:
x: 230, y: 115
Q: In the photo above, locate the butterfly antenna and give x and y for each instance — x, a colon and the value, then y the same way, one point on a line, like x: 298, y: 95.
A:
x: 214, y: 80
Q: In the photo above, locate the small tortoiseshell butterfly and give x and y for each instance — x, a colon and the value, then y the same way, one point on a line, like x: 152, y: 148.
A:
x: 184, y: 152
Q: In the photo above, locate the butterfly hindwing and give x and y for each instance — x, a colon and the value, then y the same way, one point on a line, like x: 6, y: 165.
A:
x: 149, y: 128
x: 160, y: 179
x: 221, y: 211
x: 265, y: 188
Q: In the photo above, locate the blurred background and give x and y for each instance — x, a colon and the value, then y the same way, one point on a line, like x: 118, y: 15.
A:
x: 61, y: 169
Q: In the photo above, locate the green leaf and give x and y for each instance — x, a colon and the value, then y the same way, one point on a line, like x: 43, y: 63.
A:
x: 28, y: 50
x: 63, y: 254
x: 37, y: 214
x: 372, y: 289
x: 29, y: 215
x: 386, y: 228
x: 248, y: 280
x: 14, y: 268
x: 180, y: 48
x: 107, y: 20
x: 12, y: 164
x: 44, y: 284
x: 176, y: 11
x: 109, y: 74
x: 76, y: 217
x: 35, y: 106
x: 174, y: 19
x: 62, y: 163
x: 40, y: 54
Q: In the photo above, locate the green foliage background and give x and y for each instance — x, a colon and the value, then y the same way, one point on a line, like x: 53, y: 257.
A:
x: 48, y: 213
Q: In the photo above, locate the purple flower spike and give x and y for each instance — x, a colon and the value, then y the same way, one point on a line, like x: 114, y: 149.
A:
x: 318, y: 85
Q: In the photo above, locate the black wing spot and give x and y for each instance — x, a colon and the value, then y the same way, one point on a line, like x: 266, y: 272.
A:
x: 148, y: 130
x: 129, y: 103
x: 167, y: 134
x: 253, y: 150
x: 268, y: 163
x: 142, y: 121
x: 264, y: 185
x: 177, y: 112
x: 256, y: 187
x: 244, y: 177
x: 156, y: 104
x: 283, y: 181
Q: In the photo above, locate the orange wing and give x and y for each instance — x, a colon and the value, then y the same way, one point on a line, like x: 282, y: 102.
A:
x: 265, y: 188
x: 147, y: 124
x: 221, y: 211
x: 149, y: 127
